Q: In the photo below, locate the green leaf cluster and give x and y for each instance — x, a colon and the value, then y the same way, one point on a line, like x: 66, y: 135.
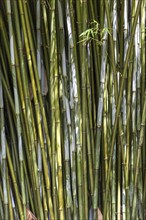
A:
x: 94, y: 33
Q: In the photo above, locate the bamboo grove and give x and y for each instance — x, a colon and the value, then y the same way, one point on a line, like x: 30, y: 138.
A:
x: 72, y: 109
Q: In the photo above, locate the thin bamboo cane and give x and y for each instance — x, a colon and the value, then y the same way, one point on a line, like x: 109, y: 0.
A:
x: 75, y: 97
x: 14, y: 183
x: 138, y: 157
x: 60, y: 101
x: 37, y: 112
x: 1, y: 209
x: 25, y: 87
x: 121, y: 91
x: 84, y: 74
x: 143, y: 79
x: 67, y: 116
x: 35, y: 79
x: 55, y: 100
x: 3, y: 152
x: 1, y: 200
x: 9, y: 199
x: 99, y: 122
x: 89, y: 121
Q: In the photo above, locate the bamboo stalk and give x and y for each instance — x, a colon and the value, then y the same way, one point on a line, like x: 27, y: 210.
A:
x: 72, y: 109
x: 121, y: 91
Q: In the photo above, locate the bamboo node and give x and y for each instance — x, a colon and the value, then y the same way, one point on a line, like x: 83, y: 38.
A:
x: 106, y: 158
x: 142, y: 124
x: 121, y: 134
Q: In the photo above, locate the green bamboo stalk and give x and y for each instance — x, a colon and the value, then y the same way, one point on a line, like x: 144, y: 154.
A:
x: 12, y: 124
x: 19, y: 203
x: 1, y: 209
x: 35, y: 79
x: 114, y: 183
x: 17, y: 108
x: 1, y: 201
x: 36, y: 108
x: 105, y: 132
x: 126, y: 101
x: 54, y: 170
x: 128, y: 136
x: 134, y: 132
x: 121, y: 133
x: 31, y: 14
x: 124, y: 105
x: 84, y: 74
x: 65, y: 90
x: 138, y: 110
x: 95, y: 47
x: 44, y: 200
x: 120, y: 96
x: 89, y: 121
x: 27, y: 109
x: 75, y: 106
x: 41, y: 79
x: 38, y: 27
x: 55, y: 81
x: 67, y: 116
x: 9, y: 199
x: 143, y: 79
x: 138, y: 157
x: 3, y: 151
x: 99, y: 122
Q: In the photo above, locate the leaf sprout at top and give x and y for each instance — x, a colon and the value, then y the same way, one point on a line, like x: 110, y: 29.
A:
x: 92, y: 32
